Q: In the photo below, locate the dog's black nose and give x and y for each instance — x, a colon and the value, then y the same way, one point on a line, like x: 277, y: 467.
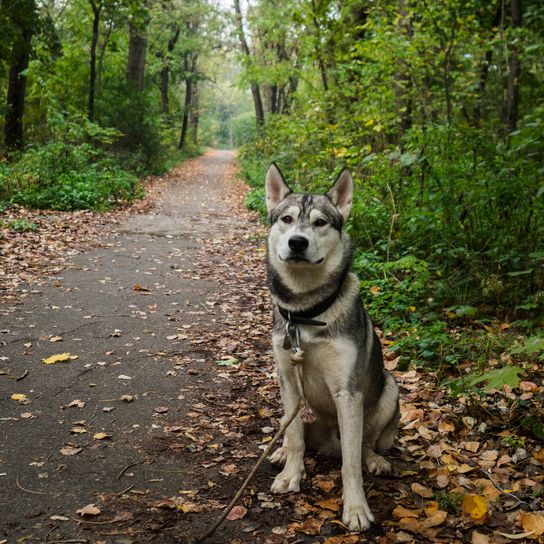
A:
x: 298, y: 243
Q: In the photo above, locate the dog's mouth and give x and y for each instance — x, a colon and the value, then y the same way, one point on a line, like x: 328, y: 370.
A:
x: 301, y: 259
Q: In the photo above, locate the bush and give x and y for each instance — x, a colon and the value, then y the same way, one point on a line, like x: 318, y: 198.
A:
x: 60, y: 176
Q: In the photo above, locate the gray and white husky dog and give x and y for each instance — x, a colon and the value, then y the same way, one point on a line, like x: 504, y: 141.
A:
x: 354, y: 400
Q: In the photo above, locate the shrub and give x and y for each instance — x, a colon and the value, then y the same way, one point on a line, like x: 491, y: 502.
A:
x: 60, y: 176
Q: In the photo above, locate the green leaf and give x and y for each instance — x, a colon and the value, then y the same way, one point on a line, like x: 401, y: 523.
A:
x: 227, y: 362
x: 499, y: 377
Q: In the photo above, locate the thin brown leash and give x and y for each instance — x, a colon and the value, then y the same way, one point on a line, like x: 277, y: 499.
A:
x: 296, y: 359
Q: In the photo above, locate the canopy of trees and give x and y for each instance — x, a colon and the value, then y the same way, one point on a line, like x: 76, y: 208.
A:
x: 438, y: 109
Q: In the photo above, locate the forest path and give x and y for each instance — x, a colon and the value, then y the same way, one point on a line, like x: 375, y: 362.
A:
x: 147, y: 315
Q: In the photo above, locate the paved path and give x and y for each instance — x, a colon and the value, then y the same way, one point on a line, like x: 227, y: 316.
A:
x: 125, y: 310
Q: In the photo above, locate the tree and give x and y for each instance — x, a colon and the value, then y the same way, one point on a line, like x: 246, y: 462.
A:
x: 24, y: 18
x: 96, y: 7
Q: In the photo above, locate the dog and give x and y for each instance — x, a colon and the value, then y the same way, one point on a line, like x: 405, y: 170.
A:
x: 353, y: 400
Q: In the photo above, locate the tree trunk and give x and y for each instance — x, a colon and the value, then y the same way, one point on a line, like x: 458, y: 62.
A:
x: 136, y: 57
x: 96, y: 7
x: 13, y: 124
x: 510, y: 113
x: 254, y: 85
x: 195, y: 114
x: 165, y: 72
x: 403, y: 85
x: 188, y: 102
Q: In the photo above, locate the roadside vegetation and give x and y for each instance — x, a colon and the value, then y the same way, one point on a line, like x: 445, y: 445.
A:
x: 95, y: 95
x: 437, y: 111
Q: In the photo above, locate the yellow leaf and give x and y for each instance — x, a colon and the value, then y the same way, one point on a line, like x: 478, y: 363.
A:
x: 101, y: 436
x: 532, y: 522
x: 59, y: 358
x: 476, y: 507
x: 411, y: 308
x: 18, y: 396
x: 374, y: 290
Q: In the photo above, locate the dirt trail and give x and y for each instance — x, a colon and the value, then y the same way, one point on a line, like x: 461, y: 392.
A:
x: 147, y: 315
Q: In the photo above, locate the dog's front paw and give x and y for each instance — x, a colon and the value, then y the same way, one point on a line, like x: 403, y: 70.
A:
x: 357, y: 516
x: 288, y: 480
x: 377, y: 464
x: 279, y: 456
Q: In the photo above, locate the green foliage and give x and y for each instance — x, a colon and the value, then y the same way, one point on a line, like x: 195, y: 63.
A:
x: 20, y: 225
x: 449, y: 501
x: 496, y: 378
x: 68, y: 177
x: 532, y: 348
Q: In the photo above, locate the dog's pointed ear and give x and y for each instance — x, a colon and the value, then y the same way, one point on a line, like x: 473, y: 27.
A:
x: 276, y: 188
x: 341, y: 193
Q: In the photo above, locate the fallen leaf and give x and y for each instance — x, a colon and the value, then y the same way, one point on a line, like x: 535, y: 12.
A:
x: 410, y: 524
x: 59, y: 518
x: 138, y: 287
x: 330, y: 504
x: 89, y: 510
x: 325, y: 483
x: 101, y: 436
x: 532, y: 522
x: 18, y: 396
x: 402, y: 512
x: 422, y: 491
x: 78, y: 430
x: 266, y: 412
x: 59, y: 358
x: 238, y: 512
x: 161, y: 409
x: 342, y: 539
x: 77, y: 403
x: 434, y: 519
x: 476, y: 507
x: 479, y: 538
x: 70, y: 450
x: 55, y: 339
x: 311, y: 526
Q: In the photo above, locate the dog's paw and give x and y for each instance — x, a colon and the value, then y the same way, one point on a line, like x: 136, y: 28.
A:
x: 357, y: 516
x: 288, y: 480
x: 279, y: 456
x: 377, y: 464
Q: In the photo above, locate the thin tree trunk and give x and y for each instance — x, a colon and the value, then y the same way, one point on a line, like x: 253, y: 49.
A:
x: 510, y: 114
x: 403, y: 84
x: 136, y: 57
x: 188, y: 102
x: 165, y: 72
x: 195, y: 114
x: 13, y: 123
x: 96, y: 7
x: 254, y: 85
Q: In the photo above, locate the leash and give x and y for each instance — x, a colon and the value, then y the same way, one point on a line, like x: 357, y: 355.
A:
x: 301, y: 405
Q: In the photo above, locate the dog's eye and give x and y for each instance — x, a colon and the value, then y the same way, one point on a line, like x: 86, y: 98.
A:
x: 287, y: 219
x: 320, y: 223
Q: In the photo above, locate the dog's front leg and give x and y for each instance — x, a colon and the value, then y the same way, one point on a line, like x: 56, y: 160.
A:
x: 357, y: 515
x: 293, y: 445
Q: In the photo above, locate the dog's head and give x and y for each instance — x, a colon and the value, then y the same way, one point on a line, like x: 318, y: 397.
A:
x: 306, y: 228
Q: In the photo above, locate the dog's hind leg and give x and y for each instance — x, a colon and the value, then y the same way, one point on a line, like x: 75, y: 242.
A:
x: 381, y: 428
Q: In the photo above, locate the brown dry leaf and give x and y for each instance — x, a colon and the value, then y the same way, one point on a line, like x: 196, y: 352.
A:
x: 410, y: 524
x: 138, y: 287
x: 89, y: 510
x: 238, y: 512
x: 101, y: 436
x: 78, y: 430
x: 476, y: 507
x: 311, y: 526
x: 55, y: 339
x: 264, y: 412
x: 539, y: 455
x: 434, y: 518
x: 532, y: 522
x: 70, y: 450
x: 161, y: 409
x: 401, y: 512
x: 479, y: 538
x: 325, y: 483
x: 342, y: 539
x: 422, y: 491
x: 330, y: 504
x: 445, y: 427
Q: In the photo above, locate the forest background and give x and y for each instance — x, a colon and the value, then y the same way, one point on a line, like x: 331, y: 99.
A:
x: 436, y: 107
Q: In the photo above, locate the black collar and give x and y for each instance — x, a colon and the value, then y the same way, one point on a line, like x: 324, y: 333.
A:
x: 306, y: 316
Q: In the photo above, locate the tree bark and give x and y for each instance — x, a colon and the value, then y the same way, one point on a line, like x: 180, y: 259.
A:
x: 254, y: 85
x: 188, y: 102
x: 13, y: 123
x: 510, y: 113
x: 136, y: 57
x: 96, y: 7
x: 165, y: 72
x: 403, y: 83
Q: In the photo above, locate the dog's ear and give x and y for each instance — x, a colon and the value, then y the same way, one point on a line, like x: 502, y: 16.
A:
x: 341, y: 193
x: 276, y: 188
